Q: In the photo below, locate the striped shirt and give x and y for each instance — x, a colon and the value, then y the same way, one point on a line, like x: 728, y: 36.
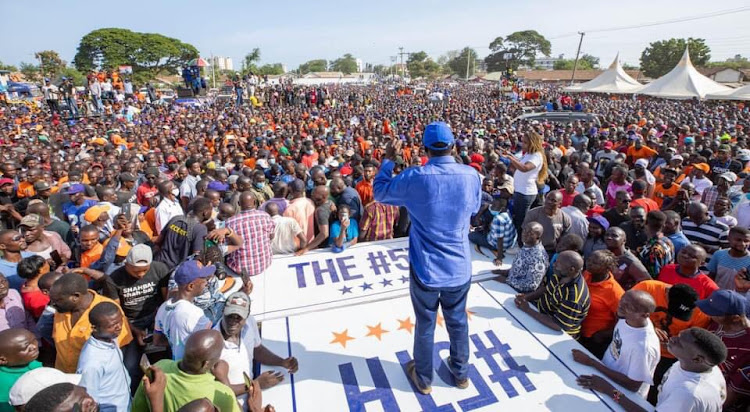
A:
x: 502, y: 228
x: 711, y: 233
x: 255, y: 227
x: 568, y: 303
x: 378, y: 221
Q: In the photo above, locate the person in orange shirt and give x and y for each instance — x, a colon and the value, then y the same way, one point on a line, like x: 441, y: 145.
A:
x: 26, y: 187
x: 638, y: 151
x: 91, y: 248
x: 605, y: 292
x: 364, y: 188
x: 667, y: 189
x: 639, y: 197
x: 73, y: 301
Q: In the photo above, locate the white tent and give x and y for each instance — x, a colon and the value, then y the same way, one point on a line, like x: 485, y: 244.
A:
x: 612, y: 80
x: 683, y: 82
x: 742, y: 93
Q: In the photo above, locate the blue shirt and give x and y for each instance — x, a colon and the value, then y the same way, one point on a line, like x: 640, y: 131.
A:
x: 440, y: 198
x: 350, y: 197
x: 74, y: 213
x: 352, y: 232
x: 10, y: 271
x: 679, y: 240
x: 104, y: 376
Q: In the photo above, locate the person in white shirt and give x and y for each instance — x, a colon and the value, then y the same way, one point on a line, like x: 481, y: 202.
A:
x: 635, y: 350
x: 579, y: 223
x: 530, y: 172
x: 242, y: 345
x: 288, y: 236
x: 587, y: 183
x: 693, y: 384
x: 178, y: 317
x: 168, y: 206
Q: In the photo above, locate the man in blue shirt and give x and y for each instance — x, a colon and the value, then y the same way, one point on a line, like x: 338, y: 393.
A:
x: 77, y: 206
x: 440, y: 198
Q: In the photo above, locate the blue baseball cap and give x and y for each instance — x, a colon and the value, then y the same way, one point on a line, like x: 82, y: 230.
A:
x: 437, y: 132
x: 724, y: 303
x: 218, y: 186
x: 76, y: 188
x: 190, y: 270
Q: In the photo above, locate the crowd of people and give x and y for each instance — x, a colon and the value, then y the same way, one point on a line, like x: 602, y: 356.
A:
x: 130, y: 239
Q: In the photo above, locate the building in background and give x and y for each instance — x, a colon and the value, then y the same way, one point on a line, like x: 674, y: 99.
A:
x: 546, y: 63
x: 360, y: 66
x: 222, y: 63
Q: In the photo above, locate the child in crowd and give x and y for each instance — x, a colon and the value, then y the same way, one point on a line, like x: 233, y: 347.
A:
x: 728, y: 264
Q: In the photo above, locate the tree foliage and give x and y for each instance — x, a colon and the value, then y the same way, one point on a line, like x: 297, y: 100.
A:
x: 50, y: 62
x: 585, y: 62
x: 318, y: 65
x: 467, y: 57
x: 8, y: 67
x: 517, y: 49
x: 661, y: 56
x: 346, y: 64
x: 30, y: 71
x: 249, y: 62
x: 421, y: 65
x: 148, y: 53
x: 71, y: 73
x: 737, y: 62
x: 271, y: 69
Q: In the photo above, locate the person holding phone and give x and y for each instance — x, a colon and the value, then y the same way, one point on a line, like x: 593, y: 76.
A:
x: 344, y: 231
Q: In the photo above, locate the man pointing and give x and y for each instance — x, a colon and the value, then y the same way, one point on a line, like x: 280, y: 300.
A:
x: 440, y: 198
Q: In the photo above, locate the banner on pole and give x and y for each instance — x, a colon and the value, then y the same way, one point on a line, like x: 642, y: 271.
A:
x: 354, y: 359
x: 322, y: 279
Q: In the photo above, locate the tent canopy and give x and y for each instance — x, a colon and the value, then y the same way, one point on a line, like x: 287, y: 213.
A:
x: 742, y: 93
x: 683, y: 82
x: 612, y: 80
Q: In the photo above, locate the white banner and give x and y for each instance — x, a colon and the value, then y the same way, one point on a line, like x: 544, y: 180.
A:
x: 322, y: 279
x: 354, y: 359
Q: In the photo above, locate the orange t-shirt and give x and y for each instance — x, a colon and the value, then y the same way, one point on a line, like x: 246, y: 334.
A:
x: 605, y: 297
x: 660, y: 193
x: 92, y: 255
x: 643, y: 153
x: 645, y: 203
x: 364, y: 188
x: 25, y: 189
x: 658, y: 290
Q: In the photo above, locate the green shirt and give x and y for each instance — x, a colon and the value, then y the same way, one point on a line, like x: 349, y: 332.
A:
x: 183, y: 388
x: 8, y: 376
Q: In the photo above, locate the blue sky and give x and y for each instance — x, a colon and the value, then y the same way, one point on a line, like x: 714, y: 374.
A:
x: 292, y: 32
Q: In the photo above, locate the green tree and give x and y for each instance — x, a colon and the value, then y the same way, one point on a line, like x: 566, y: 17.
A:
x: 466, y: 58
x: 517, y: 49
x: 148, y: 53
x: 318, y: 65
x: 346, y: 64
x: 250, y: 60
x: 661, y: 56
x: 737, y: 62
x: 626, y: 66
x: 585, y: 62
x: 51, y: 63
x: 421, y: 65
x: 71, y: 73
x: 271, y: 69
x: 380, y: 69
x: 30, y: 71
x: 8, y: 67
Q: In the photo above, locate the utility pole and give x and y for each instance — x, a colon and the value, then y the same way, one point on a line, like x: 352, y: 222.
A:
x: 213, y: 69
x: 401, y: 53
x: 468, y: 57
x: 575, y: 64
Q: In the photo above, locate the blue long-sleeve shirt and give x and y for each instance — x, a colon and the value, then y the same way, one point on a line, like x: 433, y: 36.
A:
x: 440, y: 197
x: 104, y: 375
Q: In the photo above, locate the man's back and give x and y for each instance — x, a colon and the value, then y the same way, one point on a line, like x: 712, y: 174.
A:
x: 183, y: 387
x: 440, y: 198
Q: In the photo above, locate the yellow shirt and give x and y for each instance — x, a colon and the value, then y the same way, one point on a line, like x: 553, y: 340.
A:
x: 69, y: 339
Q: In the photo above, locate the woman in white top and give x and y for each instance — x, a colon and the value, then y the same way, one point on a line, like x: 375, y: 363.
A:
x: 530, y: 172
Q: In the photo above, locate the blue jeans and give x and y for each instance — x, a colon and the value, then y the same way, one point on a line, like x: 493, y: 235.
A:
x: 425, y: 301
x: 72, y: 106
x: 478, y: 237
x: 521, y: 205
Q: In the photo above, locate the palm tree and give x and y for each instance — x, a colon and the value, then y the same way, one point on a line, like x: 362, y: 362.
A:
x: 250, y: 60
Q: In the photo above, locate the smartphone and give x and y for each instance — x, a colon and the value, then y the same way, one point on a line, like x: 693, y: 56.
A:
x: 248, y: 383
x: 145, y: 365
x: 55, y: 255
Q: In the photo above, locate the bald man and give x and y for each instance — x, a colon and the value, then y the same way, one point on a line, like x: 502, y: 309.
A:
x: 564, y: 300
x: 191, y: 378
x: 635, y: 350
x: 256, y: 229
x: 323, y: 210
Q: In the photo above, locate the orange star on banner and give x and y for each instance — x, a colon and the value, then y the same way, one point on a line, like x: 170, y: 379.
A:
x: 405, y: 325
x: 469, y: 314
x: 342, y: 337
x: 440, y: 319
x: 376, y: 331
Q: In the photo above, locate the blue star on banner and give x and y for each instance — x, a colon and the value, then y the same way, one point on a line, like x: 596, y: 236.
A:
x: 404, y: 279
x: 386, y: 282
x: 345, y: 290
x: 366, y: 286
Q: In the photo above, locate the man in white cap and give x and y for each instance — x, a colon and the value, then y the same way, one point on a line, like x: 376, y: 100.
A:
x: 242, y: 344
x: 32, y: 382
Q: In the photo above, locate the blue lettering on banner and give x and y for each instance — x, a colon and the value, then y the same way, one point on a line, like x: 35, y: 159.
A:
x: 400, y: 255
x: 484, y: 397
x: 382, y: 392
x: 379, y: 261
x: 425, y: 401
x: 329, y: 269
x: 300, y: 271
x: 499, y: 375
x: 344, y: 268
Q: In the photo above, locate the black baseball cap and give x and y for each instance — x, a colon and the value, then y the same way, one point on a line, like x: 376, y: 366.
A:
x: 682, y: 299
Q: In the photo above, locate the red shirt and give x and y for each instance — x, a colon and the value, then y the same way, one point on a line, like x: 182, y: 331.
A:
x: 645, y: 203
x: 700, y: 282
x: 144, y: 194
x: 567, y: 199
x: 35, y: 302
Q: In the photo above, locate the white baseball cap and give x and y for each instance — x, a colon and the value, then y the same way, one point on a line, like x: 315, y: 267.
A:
x: 33, y: 381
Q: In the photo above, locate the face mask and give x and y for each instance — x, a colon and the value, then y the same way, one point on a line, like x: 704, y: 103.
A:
x: 310, y: 152
x: 494, y: 212
x: 271, y: 161
x: 260, y: 185
x: 176, y: 191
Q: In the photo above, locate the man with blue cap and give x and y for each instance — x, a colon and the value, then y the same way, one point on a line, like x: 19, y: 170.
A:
x: 440, y: 198
x: 179, y: 317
